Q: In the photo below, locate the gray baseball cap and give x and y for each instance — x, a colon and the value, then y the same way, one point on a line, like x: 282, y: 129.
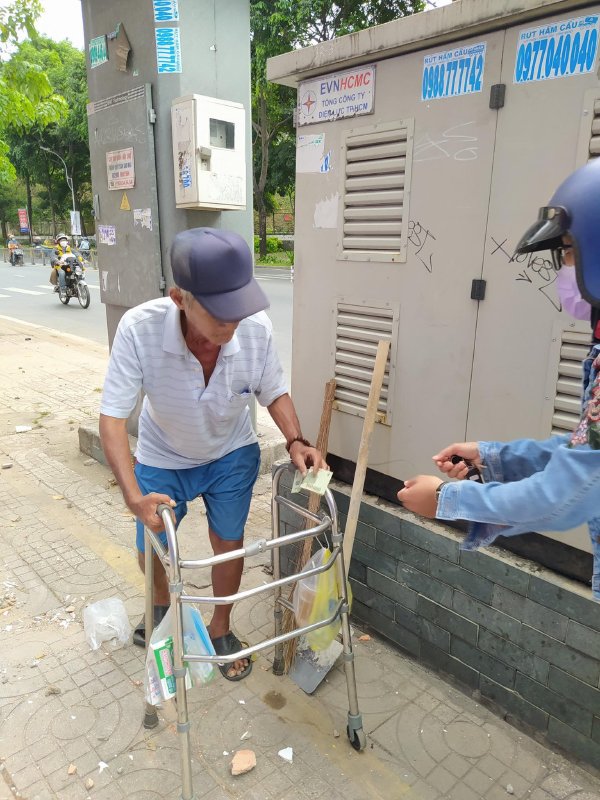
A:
x: 216, y: 267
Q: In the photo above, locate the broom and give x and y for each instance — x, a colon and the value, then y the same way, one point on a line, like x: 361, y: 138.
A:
x: 314, y: 501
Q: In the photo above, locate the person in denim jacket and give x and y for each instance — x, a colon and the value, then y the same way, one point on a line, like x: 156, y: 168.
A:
x: 535, y: 485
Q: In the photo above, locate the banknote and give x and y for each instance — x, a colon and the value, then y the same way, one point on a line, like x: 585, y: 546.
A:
x: 310, y: 482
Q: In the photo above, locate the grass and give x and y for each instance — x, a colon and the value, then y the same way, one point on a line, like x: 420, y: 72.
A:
x: 282, y: 258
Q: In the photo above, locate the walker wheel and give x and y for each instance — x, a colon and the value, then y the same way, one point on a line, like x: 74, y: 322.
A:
x: 357, y: 738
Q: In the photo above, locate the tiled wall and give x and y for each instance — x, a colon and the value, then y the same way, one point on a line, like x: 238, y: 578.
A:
x: 523, y: 637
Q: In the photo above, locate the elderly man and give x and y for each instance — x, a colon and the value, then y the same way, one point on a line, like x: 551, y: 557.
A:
x: 199, y: 354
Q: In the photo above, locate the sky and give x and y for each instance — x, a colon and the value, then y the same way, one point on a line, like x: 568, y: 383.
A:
x: 62, y: 19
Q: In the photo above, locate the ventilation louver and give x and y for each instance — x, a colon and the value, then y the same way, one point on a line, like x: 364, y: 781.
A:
x: 376, y: 190
x: 358, y: 330
x: 567, y: 403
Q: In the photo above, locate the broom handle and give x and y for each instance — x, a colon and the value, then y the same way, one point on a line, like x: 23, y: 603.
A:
x: 314, y: 499
x: 363, y: 450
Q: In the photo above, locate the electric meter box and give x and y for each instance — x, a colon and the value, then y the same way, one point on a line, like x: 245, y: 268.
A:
x: 209, y: 153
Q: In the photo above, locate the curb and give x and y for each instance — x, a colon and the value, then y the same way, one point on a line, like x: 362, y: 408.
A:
x: 271, y: 449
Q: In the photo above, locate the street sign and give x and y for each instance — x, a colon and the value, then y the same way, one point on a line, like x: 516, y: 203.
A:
x: 75, y: 223
x: 23, y: 220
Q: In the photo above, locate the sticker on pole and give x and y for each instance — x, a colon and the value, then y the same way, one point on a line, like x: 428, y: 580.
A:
x: 557, y: 50
x: 168, y: 50
x: 120, y: 169
x: 98, y: 51
x: 452, y: 73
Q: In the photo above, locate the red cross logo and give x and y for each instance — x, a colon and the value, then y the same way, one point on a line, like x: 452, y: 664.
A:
x: 308, y: 102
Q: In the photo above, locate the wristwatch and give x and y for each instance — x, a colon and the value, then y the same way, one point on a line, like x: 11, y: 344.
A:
x: 439, y: 489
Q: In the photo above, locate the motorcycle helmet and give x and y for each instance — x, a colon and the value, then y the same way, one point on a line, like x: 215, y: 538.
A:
x: 574, y: 209
x: 61, y: 236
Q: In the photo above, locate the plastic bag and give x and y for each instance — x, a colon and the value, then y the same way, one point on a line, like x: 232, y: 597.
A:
x: 315, y: 599
x: 106, y: 621
x: 159, y: 681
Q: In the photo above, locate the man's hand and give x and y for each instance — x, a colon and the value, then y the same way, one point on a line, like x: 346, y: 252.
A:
x: 419, y: 495
x: 304, y: 457
x: 469, y: 451
x: 145, y: 507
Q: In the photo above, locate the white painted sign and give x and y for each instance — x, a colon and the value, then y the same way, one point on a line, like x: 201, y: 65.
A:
x: 120, y: 169
x: 343, y: 94
x: 75, y: 223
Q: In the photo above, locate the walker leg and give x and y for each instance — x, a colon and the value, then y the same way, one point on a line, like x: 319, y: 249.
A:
x: 149, y: 583
x: 278, y: 661
x: 150, y: 715
x: 180, y: 670
x: 355, y: 731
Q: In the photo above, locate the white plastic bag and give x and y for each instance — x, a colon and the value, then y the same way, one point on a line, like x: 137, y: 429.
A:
x: 196, y: 641
x: 106, y: 621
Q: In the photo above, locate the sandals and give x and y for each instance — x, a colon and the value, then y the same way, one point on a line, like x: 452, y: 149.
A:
x: 228, y: 645
x: 139, y: 634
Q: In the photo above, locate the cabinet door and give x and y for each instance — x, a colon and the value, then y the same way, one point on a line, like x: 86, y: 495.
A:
x: 537, y: 146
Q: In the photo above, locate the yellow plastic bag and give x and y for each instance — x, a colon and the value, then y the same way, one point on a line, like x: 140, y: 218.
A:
x: 315, y: 599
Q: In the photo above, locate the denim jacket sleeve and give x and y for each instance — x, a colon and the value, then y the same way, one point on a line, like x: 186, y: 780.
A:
x: 512, y: 461
x: 551, y: 487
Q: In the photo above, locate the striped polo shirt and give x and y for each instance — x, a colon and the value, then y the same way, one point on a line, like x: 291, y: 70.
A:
x: 184, y: 423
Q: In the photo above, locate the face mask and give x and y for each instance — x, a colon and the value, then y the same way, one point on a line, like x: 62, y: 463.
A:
x: 570, y: 297
x: 63, y: 243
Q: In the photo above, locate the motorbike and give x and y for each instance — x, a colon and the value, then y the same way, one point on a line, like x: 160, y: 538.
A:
x: 16, y: 257
x: 75, y: 282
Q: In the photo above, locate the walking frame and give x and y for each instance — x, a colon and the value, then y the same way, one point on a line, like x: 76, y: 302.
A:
x: 174, y: 564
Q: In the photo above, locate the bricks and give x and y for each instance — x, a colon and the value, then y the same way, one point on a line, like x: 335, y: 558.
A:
x: 447, y: 619
x: 574, y: 690
x: 517, y: 657
x: 487, y: 617
x: 555, y: 652
x: 564, y: 709
x: 460, y: 578
x: 496, y: 670
x: 510, y: 700
x: 392, y: 589
x: 569, y: 603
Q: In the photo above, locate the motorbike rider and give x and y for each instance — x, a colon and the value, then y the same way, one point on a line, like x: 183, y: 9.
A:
x: 551, y: 485
x: 62, y: 249
x: 12, y: 245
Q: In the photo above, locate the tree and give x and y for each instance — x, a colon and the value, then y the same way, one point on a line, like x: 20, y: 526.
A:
x: 279, y: 26
x: 26, y: 94
x: 67, y: 136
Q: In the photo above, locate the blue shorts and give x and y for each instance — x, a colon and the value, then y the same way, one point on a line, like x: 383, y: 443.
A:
x: 225, y: 485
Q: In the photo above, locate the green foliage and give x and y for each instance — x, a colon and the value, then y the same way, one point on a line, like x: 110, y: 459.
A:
x: 273, y: 244
x: 67, y: 136
x: 27, y: 98
x: 282, y: 258
x: 279, y: 26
